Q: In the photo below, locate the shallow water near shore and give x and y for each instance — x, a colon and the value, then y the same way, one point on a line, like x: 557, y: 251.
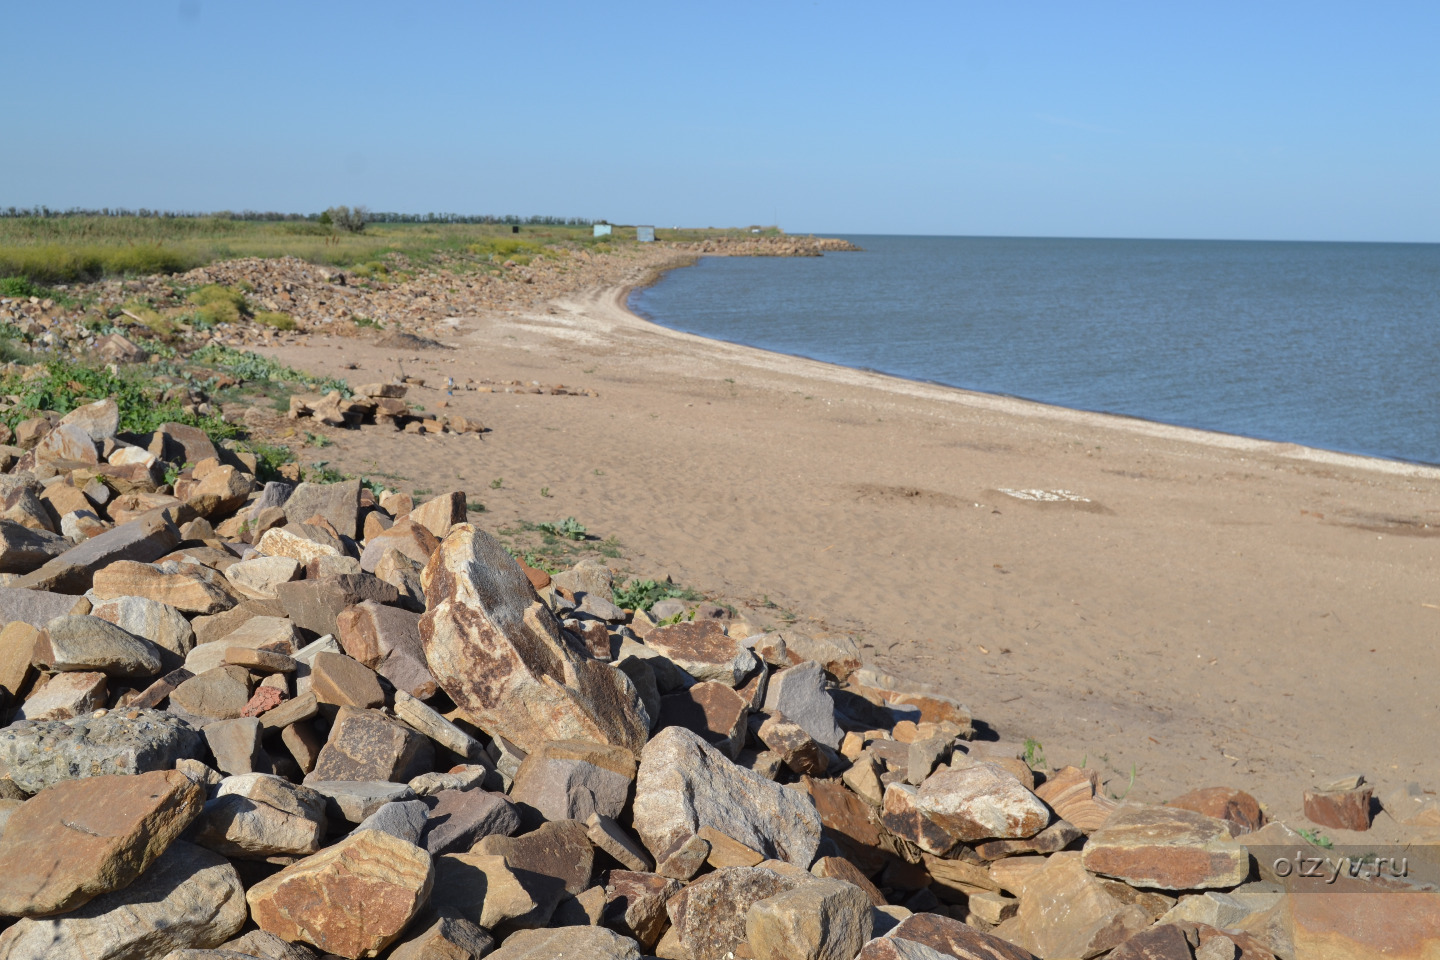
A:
x: 1331, y: 345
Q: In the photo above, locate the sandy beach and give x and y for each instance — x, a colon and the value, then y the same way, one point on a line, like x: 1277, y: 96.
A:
x: 1193, y: 608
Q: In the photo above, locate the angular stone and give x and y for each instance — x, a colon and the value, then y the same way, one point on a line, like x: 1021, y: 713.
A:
x: 218, y: 694
x: 403, y: 574
x: 838, y: 868
x: 267, y: 946
x: 67, y: 443
x: 38, y: 755
x: 187, y: 587
x: 501, y: 657
x: 23, y: 549
x: 924, y: 756
x: 90, y: 643
x: 610, y: 837
x: 1071, y: 793
x: 684, y: 784
x: 702, y: 649
x: 981, y: 801
x: 448, y: 938
x: 222, y: 491
x: 35, y: 607
x: 409, y: 539
x: 217, y: 627
x: 141, y: 540
x: 849, y: 822
x: 560, y: 850
x: 355, y: 800
x: 709, y: 914
x: 438, y: 515
x: 565, y: 787
x: 712, y: 710
x: 258, y: 660
x: 1052, y: 839
x: 799, y: 693
x: 797, y: 749
x: 339, y: 680
x: 352, y: 899
x: 838, y: 656
x: 404, y: 819
x: 81, y: 838
x: 1065, y: 912
x: 1224, y: 803
x: 590, y: 943
x: 951, y: 938
x: 17, y: 650
x: 727, y: 851
x: 269, y: 633
x: 426, y: 720
x: 99, y: 420
x: 258, y: 578
x: 367, y: 745
x: 487, y: 890
x: 183, y: 444
x: 685, y: 860
x: 189, y: 898
x: 459, y: 819
x: 65, y: 696
x: 824, y: 920
x: 258, y: 815
x: 160, y: 623
x: 901, y: 815
x: 339, y: 503
x: 1340, y: 809
x: 236, y: 744
x: 635, y: 905
x: 1169, y: 849
x: 387, y: 640
x: 888, y: 948
x: 1164, y: 942
x: 280, y: 542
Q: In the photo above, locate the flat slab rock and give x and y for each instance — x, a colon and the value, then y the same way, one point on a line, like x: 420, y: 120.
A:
x: 684, y: 784
x: 564, y: 943
x: 1166, y: 848
x: 39, y: 755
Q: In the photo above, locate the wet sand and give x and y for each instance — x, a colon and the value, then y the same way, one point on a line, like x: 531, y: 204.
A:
x: 1199, y: 608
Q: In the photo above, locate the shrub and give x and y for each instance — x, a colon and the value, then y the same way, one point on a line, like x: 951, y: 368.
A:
x: 17, y: 287
x: 343, y: 218
x: 280, y: 321
x: 218, y: 304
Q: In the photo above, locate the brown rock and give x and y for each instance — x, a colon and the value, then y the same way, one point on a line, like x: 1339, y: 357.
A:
x: 487, y: 891
x: 188, y: 587
x: 797, y: 749
x: 1071, y: 793
x: 712, y: 710
x: 218, y: 694
x: 709, y: 914
x: 980, y: 801
x: 66, y: 443
x: 726, y: 851
x: 352, y: 899
x: 1164, y: 942
x: 236, y: 745
x: 64, y: 696
x: 684, y: 861
x: 82, y: 838
x: 1170, y: 849
x: 609, y: 837
x: 820, y: 920
x: 263, y: 700
x: 282, y: 542
x: 140, y: 540
x: 441, y: 513
x: 591, y: 943
x: 901, y: 815
x: 410, y: 539
x: 222, y: 492
x: 316, y: 605
x: 701, y: 649
x: 459, y: 819
x: 501, y: 657
x: 951, y: 938
x: 635, y: 905
x: 1065, y: 912
x: 260, y: 660
x: 367, y: 745
x: 1224, y: 803
x: 570, y: 780
x: 338, y: 503
x: 1340, y: 809
x: 23, y: 549
x: 848, y: 821
x: 387, y: 640
x: 560, y: 850
x: 1052, y: 839
x: 17, y: 649
x: 838, y: 868
x: 339, y: 680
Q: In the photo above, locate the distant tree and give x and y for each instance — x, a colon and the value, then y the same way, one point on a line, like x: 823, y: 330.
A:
x: 344, y: 218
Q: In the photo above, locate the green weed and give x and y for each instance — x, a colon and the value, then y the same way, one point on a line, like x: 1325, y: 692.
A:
x: 569, y: 528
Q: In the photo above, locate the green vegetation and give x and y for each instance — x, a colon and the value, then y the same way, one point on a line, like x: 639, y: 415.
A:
x: 252, y: 366
x: 1316, y: 838
x: 569, y: 528
x: 18, y: 287
x: 644, y: 594
x: 1034, y: 754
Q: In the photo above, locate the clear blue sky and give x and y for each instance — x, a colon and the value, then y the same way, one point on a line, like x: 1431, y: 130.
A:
x: 1225, y: 120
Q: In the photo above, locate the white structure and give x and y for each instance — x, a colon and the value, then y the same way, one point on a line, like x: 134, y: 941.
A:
x: 645, y: 234
x: 602, y: 229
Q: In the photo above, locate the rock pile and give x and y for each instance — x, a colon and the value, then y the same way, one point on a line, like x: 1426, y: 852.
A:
x: 378, y: 403
x: 276, y: 721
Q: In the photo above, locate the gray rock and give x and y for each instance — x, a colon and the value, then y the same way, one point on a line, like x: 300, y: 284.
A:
x: 450, y: 937
x: 144, y: 539
x: 258, y: 815
x: 160, y: 623
x: 368, y: 745
x: 22, y: 549
x: 800, y: 694
x: 337, y: 502
x: 35, y: 607
x: 684, y: 784
x: 37, y: 755
x: 99, y: 420
x: 273, y: 494
x: 189, y: 898
x: 565, y: 788
x: 236, y: 745
x: 90, y: 643
x: 399, y: 818
x: 267, y: 946
x: 355, y: 800
x: 426, y: 720
x: 459, y: 818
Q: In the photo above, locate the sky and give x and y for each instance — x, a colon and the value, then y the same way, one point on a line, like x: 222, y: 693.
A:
x: 1301, y: 121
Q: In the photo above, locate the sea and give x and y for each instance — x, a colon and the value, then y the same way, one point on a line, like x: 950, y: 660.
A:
x: 1330, y: 345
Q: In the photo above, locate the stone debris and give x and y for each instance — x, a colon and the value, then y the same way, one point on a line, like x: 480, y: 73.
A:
x: 403, y: 743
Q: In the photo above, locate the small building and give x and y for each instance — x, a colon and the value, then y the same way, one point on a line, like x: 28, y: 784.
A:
x: 602, y: 229
x: 645, y: 234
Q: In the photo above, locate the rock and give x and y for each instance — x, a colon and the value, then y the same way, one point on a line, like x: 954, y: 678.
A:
x: 838, y: 868
x: 352, y: 899
x: 709, y: 914
x: 441, y: 513
x: 160, y: 623
x: 367, y: 745
x: 258, y: 578
x: 64, y: 697
x: 22, y: 549
x: 838, y: 656
x: 39, y: 755
x: 1065, y: 912
x: 901, y: 816
x: 610, y: 837
x: 702, y: 649
x: 1052, y: 839
x: 403, y: 574
x: 35, y: 607
x: 458, y: 819
x: 189, y: 898
x: 82, y: 524
x: 280, y: 542
x: 589, y: 943
x: 1353, y: 919
x: 980, y: 801
x: 90, y: 643
x: 824, y: 920
x: 260, y: 660
x: 1408, y: 804
x: 218, y: 694
x: 387, y: 640
x: 218, y: 626
x: 99, y: 420
x: 570, y: 780
x: 316, y: 605
x: 187, y: 587
x: 501, y: 656
x: 179, y: 443
x: 1340, y: 810
x: 951, y: 938
x: 1071, y: 793
x: 685, y: 860
x: 797, y: 749
x: 427, y: 721
x: 1273, y: 842
x: 1224, y: 803
x: 236, y: 744
x: 81, y: 838
x: 67, y: 443
x: 270, y: 633
x: 635, y: 905
x: 683, y: 784
x: 141, y: 540
x: 355, y: 800
x: 258, y: 943
x: 849, y: 822
x: 487, y: 890
x: 223, y: 491
x: 403, y: 819
x: 409, y: 539
x: 888, y: 948
x: 1164, y: 942
x: 560, y: 850
x: 1170, y: 849
x: 799, y: 693
x: 17, y: 649
x: 258, y: 815
x: 448, y: 938
x: 712, y: 710
x: 339, y: 680
x: 339, y: 503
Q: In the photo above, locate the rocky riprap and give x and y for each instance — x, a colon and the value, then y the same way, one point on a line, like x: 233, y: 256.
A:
x: 286, y: 721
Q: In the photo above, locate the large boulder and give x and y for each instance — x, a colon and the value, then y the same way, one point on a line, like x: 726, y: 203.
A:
x: 38, y: 755
x: 503, y: 658
x: 1147, y: 845
x: 684, y: 784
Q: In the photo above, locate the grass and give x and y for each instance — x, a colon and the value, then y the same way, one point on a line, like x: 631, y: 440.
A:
x: 1034, y: 754
x: 252, y: 366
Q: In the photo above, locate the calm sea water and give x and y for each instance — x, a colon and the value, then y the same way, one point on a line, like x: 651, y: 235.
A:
x: 1332, y: 345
